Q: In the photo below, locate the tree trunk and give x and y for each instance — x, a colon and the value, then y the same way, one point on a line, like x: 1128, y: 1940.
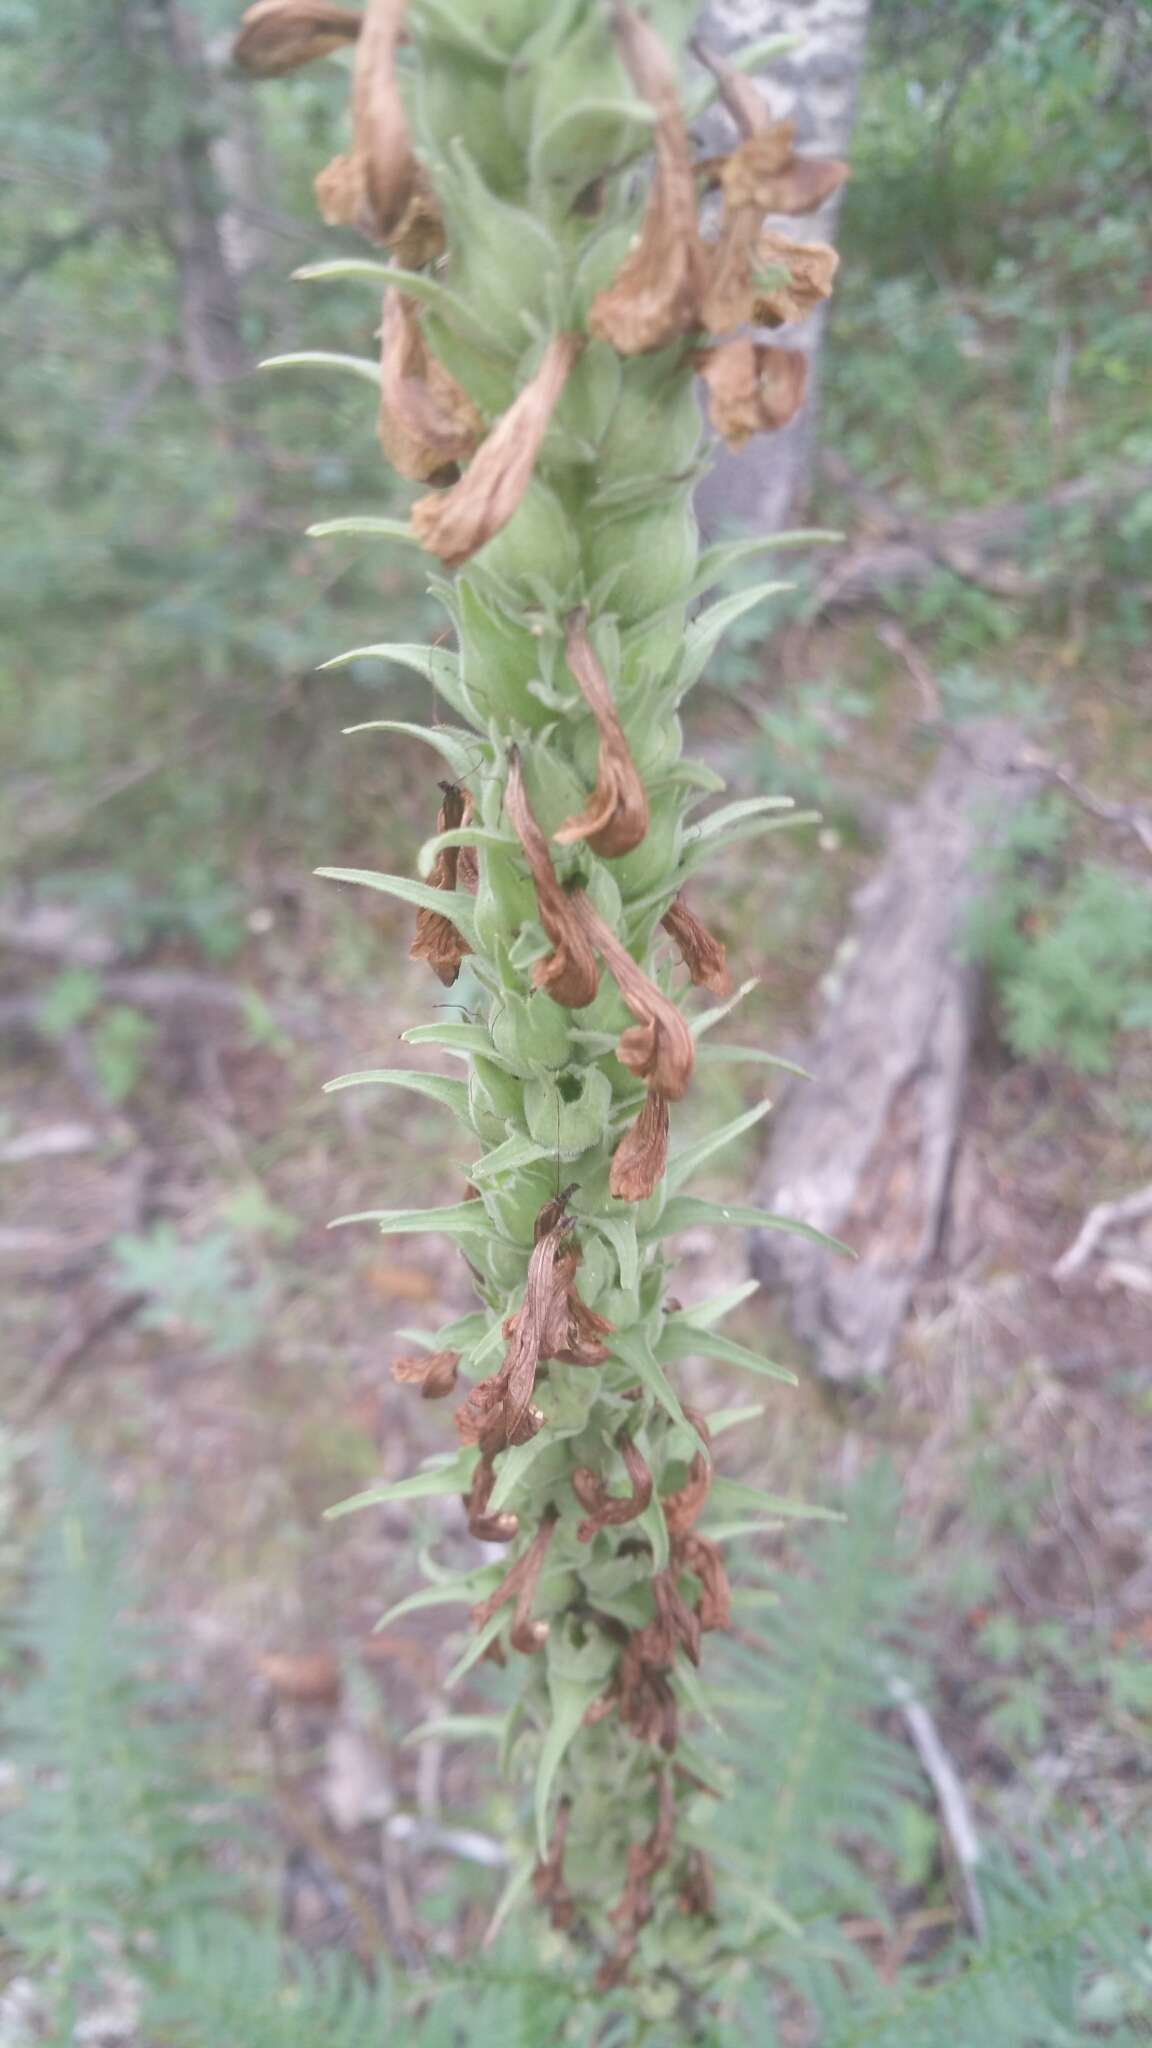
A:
x: 864, y: 1151
x: 764, y: 487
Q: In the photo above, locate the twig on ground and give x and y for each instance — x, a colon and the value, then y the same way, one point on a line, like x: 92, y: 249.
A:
x: 1095, y: 1227
x: 951, y: 1798
x: 66, y: 1354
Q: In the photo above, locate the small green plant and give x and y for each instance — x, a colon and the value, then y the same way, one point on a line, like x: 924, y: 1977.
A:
x: 1070, y: 955
x: 196, y: 1285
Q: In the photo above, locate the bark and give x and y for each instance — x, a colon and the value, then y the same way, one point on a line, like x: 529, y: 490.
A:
x: 764, y: 487
x: 865, y: 1150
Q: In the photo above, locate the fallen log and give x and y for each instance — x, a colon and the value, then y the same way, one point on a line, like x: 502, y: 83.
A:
x: 865, y: 1150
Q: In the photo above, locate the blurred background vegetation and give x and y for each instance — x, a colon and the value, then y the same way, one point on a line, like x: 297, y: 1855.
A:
x: 174, y: 988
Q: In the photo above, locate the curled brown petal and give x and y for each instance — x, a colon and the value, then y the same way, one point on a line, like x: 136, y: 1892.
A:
x: 697, y: 1554
x: 434, y: 1372
x: 752, y: 388
x: 654, y: 297
x: 659, y: 1046
x: 811, y: 268
x: 377, y: 186
x: 569, y: 974
x: 615, y: 818
x: 548, y: 1886
x: 455, y: 523
x: 427, y: 423
x: 552, y: 1322
x: 640, y: 1158
x: 606, y: 1510
x: 519, y: 1584
x: 702, y: 954
x: 682, y: 1509
x: 277, y: 36
x: 436, y: 938
x: 762, y: 175
x: 486, y: 1528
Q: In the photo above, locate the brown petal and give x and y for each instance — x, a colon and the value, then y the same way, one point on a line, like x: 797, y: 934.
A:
x: 434, y: 1372
x: 761, y: 176
x: 569, y: 974
x: 697, y: 1554
x: 811, y: 267
x: 752, y: 388
x: 640, y: 1158
x: 277, y: 36
x: 427, y: 423
x: 309, y: 1680
x: 615, y: 819
x: 659, y: 1047
x: 436, y: 938
x: 484, y: 1527
x: 606, y: 1510
x: 454, y: 523
x: 654, y: 298
x: 373, y: 186
x: 702, y: 954
x: 548, y: 1886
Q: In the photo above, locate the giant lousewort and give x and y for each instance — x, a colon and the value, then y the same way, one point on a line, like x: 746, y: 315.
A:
x: 550, y: 298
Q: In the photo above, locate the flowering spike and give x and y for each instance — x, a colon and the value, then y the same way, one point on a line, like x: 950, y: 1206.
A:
x: 542, y: 383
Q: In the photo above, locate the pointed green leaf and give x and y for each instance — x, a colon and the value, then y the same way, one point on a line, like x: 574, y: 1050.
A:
x: 465, y: 753
x: 323, y: 358
x: 462, y: 1592
x: 465, y: 1040
x: 455, y: 904
x: 732, y: 1495
x: 706, y: 631
x: 620, y: 1233
x: 366, y: 526
x: 703, y: 1314
x: 702, y: 848
x: 458, y: 835
x: 683, y: 1164
x: 724, y: 1055
x: 680, y: 1341
x: 708, y: 1019
x: 415, y: 284
x: 718, y: 562
x: 570, y: 1699
x: 690, y: 1685
x: 458, y: 1728
x: 719, y: 820
x: 476, y: 1648
x: 515, y: 1152
x: 437, y: 1087
x: 633, y: 1350
x: 461, y: 1219
x: 438, y: 665
x: 453, y: 1475
x: 724, y: 1419
x: 684, y: 1212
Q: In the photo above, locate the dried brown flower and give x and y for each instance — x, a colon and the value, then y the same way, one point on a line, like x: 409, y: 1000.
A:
x: 702, y: 954
x: 548, y: 1886
x: 606, y: 1510
x: 655, y: 296
x: 427, y: 423
x: 569, y: 973
x: 436, y: 938
x: 811, y: 267
x: 634, y: 1907
x: 659, y: 1046
x: 277, y: 36
x: 763, y: 175
x: 615, y: 819
x: 434, y: 1372
x: 519, y: 1584
x: 752, y: 388
x: 640, y: 1158
x: 455, y: 523
x: 377, y: 186
x: 551, y: 1322
x: 487, y: 1528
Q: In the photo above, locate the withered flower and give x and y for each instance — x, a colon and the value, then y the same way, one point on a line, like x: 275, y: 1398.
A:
x: 811, y: 268
x: 696, y: 1892
x: 377, y: 186
x: 606, y: 1510
x: 640, y: 1158
x: 682, y: 1508
x: 548, y: 1886
x: 702, y: 954
x: 634, y: 1907
x: 752, y: 388
x: 434, y: 1372
x: 436, y: 938
x: 569, y: 973
x: 615, y: 818
x: 703, y: 1558
x: 455, y: 523
x: 277, y: 36
x: 427, y: 423
x: 519, y: 1584
x: 763, y: 175
x: 659, y: 1046
x: 654, y: 297
x: 487, y: 1528
x: 552, y: 1322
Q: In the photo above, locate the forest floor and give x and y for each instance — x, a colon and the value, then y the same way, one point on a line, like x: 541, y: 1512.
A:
x: 180, y: 1306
